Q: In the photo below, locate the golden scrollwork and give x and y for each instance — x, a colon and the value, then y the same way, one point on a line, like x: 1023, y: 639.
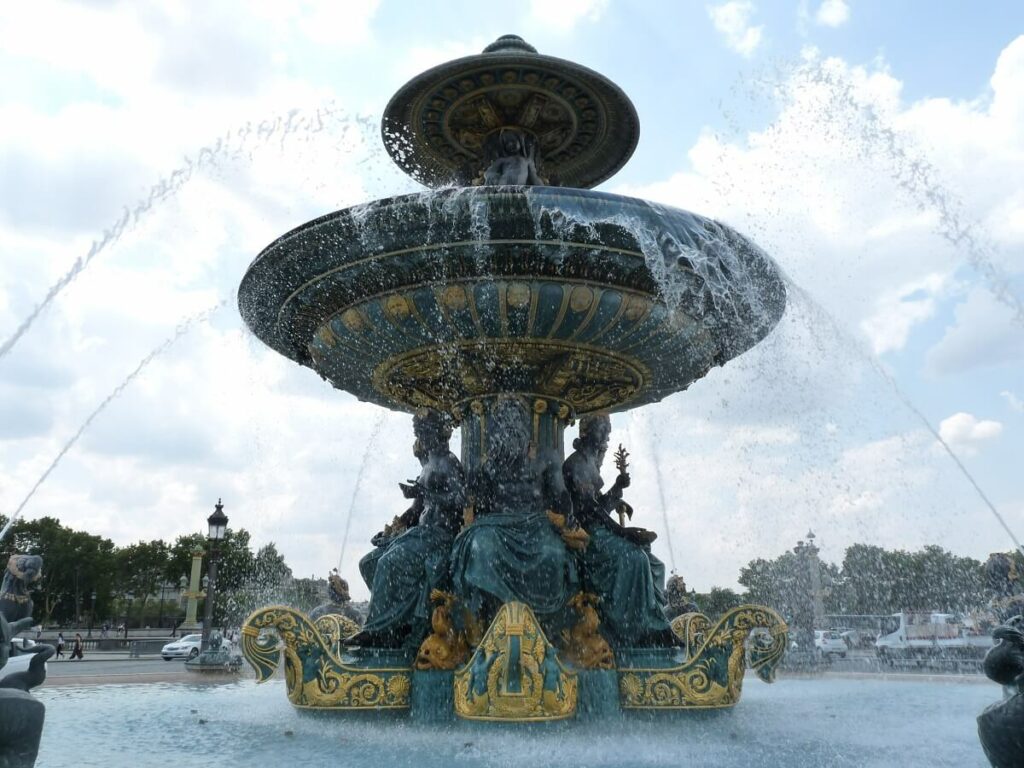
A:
x: 315, y: 677
x: 439, y: 376
x: 334, y: 627
x: 515, y: 674
x: 691, y: 628
x: 712, y: 677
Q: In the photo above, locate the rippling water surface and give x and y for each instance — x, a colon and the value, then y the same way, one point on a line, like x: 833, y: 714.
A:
x: 794, y: 723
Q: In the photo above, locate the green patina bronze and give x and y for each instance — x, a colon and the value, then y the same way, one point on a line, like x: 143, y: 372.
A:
x: 510, y: 305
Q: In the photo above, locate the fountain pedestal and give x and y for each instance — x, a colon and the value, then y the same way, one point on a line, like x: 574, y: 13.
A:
x: 511, y: 305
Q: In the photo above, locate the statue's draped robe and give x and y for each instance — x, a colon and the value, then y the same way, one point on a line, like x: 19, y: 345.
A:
x: 402, y: 572
x: 401, y: 576
x: 627, y: 577
x: 512, y: 552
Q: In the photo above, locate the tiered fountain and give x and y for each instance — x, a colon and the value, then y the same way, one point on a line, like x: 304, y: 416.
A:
x: 512, y: 301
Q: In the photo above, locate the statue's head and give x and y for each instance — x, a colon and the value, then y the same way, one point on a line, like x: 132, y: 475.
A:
x: 508, y: 432
x: 511, y: 143
x: 595, y: 430
x: 418, y: 452
x: 433, y: 429
x: 26, y: 568
x: 337, y: 588
x: 675, y: 591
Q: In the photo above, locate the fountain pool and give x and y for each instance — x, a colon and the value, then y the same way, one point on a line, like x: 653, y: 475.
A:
x: 821, y: 722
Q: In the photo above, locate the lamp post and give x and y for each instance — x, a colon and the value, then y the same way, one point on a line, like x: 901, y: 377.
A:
x: 217, y: 527
x: 92, y: 613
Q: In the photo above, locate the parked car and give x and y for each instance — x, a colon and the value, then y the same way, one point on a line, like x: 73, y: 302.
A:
x: 829, y: 643
x: 186, y: 647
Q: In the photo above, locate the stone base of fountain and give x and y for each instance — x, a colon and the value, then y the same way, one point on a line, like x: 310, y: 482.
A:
x: 514, y: 674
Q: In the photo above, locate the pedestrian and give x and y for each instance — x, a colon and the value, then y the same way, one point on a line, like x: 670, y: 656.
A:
x: 60, y: 644
x: 76, y: 650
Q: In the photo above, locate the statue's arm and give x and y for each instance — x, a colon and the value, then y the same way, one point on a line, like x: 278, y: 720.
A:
x: 557, y: 493
x: 607, y: 502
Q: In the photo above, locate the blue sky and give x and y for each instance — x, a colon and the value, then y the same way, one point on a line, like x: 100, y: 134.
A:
x: 740, y: 120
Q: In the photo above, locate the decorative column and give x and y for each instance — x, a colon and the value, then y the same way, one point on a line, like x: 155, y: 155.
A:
x: 549, y: 418
x: 191, y: 623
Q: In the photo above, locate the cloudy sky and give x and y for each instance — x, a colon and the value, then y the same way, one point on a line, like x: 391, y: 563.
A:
x: 875, y: 150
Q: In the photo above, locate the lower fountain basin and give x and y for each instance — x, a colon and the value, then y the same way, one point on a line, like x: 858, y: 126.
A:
x: 802, y: 723
x: 596, y: 301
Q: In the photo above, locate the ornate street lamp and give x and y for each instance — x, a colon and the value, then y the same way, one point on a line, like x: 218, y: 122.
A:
x: 92, y: 613
x: 217, y: 528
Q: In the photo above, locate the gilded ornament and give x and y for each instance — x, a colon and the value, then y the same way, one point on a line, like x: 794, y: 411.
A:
x: 540, y: 406
x: 515, y: 674
x: 335, y: 627
x: 581, y: 298
x: 440, y: 376
x: 352, y: 320
x: 454, y: 297
x: 712, y: 676
x: 326, y: 335
x: 315, y: 677
x: 636, y: 307
x: 445, y: 647
x: 584, y: 645
x: 397, y: 307
x: 518, y: 295
x: 691, y: 629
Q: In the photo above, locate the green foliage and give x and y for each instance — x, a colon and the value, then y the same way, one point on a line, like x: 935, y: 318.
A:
x: 872, y: 580
x: 127, y: 580
x: 75, y: 564
x: 716, y: 602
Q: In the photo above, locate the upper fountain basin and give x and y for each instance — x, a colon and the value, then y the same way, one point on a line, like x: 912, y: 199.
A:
x: 597, y: 301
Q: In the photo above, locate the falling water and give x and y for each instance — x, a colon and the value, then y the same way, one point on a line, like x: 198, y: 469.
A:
x: 660, y: 483
x: 182, y: 328
x: 363, y: 465
x: 807, y: 302
x: 232, y: 145
x: 909, y: 169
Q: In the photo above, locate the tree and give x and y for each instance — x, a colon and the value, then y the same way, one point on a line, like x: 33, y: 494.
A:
x: 236, y: 568
x: 75, y: 564
x: 719, y: 600
x: 881, y: 581
x: 141, y: 568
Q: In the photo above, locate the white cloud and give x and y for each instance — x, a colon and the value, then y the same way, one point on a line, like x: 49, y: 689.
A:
x: 964, y: 432
x: 832, y: 13
x: 732, y: 20
x: 564, y: 15
x: 1015, y: 403
x: 797, y: 433
x: 983, y: 333
x: 897, y: 311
